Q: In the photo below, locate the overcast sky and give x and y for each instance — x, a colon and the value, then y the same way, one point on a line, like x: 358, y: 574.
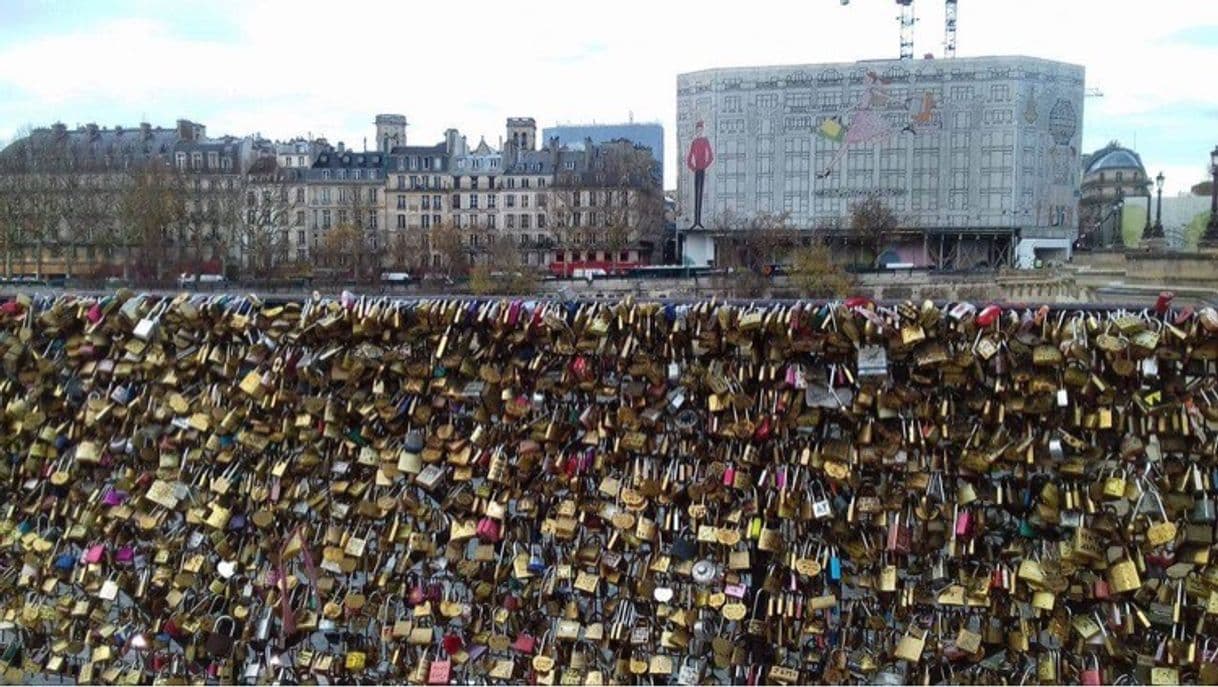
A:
x: 293, y: 68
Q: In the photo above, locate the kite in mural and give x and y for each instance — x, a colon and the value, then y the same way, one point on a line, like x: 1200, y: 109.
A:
x: 699, y: 159
x: 867, y: 123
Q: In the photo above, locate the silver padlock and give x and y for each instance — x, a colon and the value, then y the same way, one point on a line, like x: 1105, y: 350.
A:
x: 690, y: 672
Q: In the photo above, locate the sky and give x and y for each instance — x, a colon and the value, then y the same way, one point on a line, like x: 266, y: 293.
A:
x: 286, y: 69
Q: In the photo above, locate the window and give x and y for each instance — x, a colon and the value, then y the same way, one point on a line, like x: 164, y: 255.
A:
x: 300, y: 218
x: 401, y: 202
x: 300, y: 194
x: 511, y: 182
x: 473, y: 197
x: 456, y: 201
x: 569, y: 164
x: 300, y: 236
x: 426, y: 163
x: 196, y: 160
x: 181, y: 159
x: 426, y: 222
x: 300, y: 161
x: 541, y: 201
x: 511, y: 200
x: 767, y: 100
x: 524, y: 183
x: 325, y: 219
x: 524, y: 222
x: 435, y: 202
x: 490, y: 200
x: 412, y: 163
x: 511, y: 221
x: 524, y: 200
x: 473, y: 183
x: 490, y: 221
x: 541, y: 183
x: 435, y: 219
x: 426, y: 202
x: 401, y: 221
x: 213, y: 160
x: 541, y: 221
x: 325, y: 196
x: 325, y: 174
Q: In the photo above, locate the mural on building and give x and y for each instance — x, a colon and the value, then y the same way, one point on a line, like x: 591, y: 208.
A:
x: 699, y: 159
x: 867, y: 124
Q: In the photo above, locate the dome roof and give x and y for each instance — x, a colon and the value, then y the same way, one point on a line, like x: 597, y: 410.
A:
x: 1113, y: 156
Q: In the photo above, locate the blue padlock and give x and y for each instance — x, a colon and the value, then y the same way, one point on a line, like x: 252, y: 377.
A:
x: 835, y: 567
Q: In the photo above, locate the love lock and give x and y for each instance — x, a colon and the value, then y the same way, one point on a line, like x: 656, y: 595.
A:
x: 704, y: 572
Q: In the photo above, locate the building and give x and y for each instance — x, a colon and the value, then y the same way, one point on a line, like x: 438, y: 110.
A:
x: 346, y: 210
x: 650, y: 135
x: 416, y: 199
x: 979, y: 157
x: 216, y: 220
x: 1113, y: 177
x: 95, y: 171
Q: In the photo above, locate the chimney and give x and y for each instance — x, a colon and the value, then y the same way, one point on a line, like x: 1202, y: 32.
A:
x: 146, y: 130
x: 342, y: 147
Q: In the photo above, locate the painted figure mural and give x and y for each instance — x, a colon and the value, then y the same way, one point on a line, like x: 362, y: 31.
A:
x: 867, y: 123
x: 699, y: 159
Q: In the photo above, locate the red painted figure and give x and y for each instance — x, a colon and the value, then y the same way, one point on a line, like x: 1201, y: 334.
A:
x: 699, y: 159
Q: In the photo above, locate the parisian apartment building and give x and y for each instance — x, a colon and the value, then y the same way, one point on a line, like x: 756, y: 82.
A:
x: 253, y: 206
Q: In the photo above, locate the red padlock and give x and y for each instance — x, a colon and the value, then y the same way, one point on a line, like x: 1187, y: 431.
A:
x: 857, y: 302
x: 452, y: 643
x: 729, y: 476
x: 1100, y: 590
x: 1164, y: 302
x: 988, y: 315
x: 524, y: 643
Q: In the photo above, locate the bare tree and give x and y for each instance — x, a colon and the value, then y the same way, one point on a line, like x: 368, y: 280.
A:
x: 871, y: 223
x: 447, y: 241
x: 153, y: 206
x: 503, y: 272
x: 814, y: 272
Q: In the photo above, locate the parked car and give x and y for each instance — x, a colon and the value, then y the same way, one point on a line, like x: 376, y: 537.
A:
x: 395, y: 277
x: 210, y: 279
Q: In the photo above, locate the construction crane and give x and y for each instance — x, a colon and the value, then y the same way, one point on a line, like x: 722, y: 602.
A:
x: 908, y: 19
x: 949, y: 30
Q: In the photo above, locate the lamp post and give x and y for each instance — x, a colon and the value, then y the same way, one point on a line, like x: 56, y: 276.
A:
x: 1117, y: 240
x: 1210, y: 238
x: 1152, y: 235
x: 1159, y: 209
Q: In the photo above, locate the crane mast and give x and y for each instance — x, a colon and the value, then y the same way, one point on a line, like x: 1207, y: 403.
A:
x: 949, y: 30
x: 907, y: 28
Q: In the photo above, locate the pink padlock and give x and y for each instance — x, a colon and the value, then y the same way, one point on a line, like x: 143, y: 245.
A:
x: 94, y: 313
x: 1091, y: 675
x: 729, y: 476
x: 125, y: 554
x: 488, y: 530
x: 113, y: 497
x: 94, y: 553
x: 964, y: 521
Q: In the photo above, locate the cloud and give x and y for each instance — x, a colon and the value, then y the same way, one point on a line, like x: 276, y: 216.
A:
x: 255, y: 65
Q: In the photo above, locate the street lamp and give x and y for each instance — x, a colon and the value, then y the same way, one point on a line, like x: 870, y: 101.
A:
x: 1116, y: 239
x: 1210, y: 238
x: 1155, y: 231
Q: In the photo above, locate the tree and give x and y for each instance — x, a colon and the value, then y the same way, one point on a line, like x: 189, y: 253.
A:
x: 270, y: 204
x: 871, y: 222
x: 152, y: 208
x: 503, y: 273
x: 749, y: 247
x: 446, y: 241
x: 334, y: 250
x: 614, y: 204
x: 816, y: 275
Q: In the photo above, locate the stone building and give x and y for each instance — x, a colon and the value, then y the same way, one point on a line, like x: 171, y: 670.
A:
x: 979, y: 157
x: 1110, y: 174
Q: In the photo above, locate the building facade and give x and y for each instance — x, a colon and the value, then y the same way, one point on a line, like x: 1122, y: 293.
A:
x: 978, y: 157
x: 1113, y: 177
x: 646, y: 134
